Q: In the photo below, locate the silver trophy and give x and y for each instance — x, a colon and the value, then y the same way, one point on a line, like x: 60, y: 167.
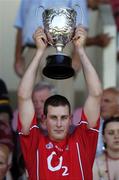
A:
x: 59, y: 25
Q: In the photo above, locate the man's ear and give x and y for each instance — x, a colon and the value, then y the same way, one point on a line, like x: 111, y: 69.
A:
x: 44, y: 117
x: 71, y: 119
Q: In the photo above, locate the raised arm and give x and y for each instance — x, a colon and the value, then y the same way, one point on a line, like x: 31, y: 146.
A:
x: 92, y: 104
x: 25, y: 104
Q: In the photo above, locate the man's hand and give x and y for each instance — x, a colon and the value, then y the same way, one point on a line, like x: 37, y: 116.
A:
x: 102, y: 40
x: 79, y: 37
x: 93, y: 4
x: 40, y: 39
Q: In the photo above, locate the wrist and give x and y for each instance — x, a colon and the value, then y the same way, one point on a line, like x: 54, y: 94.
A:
x: 39, y: 52
x: 81, y: 50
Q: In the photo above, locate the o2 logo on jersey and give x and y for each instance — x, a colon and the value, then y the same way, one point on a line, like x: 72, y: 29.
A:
x: 59, y: 166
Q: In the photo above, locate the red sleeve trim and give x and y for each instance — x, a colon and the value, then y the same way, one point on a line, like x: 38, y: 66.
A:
x: 84, y: 119
x: 19, y: 127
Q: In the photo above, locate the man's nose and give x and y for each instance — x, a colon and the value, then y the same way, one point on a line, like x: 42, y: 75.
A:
x: 59, y: 123
x: 116, y: 134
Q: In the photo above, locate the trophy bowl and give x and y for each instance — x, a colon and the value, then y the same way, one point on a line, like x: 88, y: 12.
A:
x: 59, y: 25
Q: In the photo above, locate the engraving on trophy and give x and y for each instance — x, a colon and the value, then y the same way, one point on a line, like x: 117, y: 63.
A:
x: 60, y: 25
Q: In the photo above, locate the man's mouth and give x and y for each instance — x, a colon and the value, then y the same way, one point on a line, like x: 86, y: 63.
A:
x: 58, y: 131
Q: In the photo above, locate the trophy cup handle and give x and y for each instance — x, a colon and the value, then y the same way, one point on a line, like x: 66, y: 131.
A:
x: 37, y: 10
x: 41, y: 7
x: 82, y: 14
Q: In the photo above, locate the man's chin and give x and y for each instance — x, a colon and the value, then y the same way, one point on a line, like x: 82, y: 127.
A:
x: 59, y: 137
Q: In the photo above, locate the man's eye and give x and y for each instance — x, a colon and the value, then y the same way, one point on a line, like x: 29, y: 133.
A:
x: 64, y: 117
x: 2, y: 163
x: 111, y: 133
x: 54, y: 118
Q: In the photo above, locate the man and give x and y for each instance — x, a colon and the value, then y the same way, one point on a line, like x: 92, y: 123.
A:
x: 58, y: 155
x: 110, y: 103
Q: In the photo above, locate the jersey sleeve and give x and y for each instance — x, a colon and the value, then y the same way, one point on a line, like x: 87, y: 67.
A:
x: 29, y: 143
x: 88, y: 137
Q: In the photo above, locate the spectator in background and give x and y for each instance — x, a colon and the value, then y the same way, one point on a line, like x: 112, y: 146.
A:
x: 27, y: 22
x: 5, y: 107
x: 6, y: 116
x: 110, y: 103
x: 115, y: 10
x: 109, y: 108
x: 106, y: 165
x: 6, y: 150
x: 102, y: 39
x: 41, y: 92
x: 3, y: 88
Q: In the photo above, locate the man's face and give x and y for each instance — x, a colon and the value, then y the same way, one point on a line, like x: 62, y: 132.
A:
x: 58, y: 121
x: 111, y: 136
x: 109, y: 105
x: 39, y: 98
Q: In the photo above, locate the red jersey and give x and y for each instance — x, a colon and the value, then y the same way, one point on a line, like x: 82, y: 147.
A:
x: 70, y: 159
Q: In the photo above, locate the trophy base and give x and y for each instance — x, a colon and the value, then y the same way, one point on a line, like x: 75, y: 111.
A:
x: 58, y: 67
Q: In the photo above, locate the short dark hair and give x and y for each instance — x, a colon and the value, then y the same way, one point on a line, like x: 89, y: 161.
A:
x: 112, y: 119
x: 56, y: 100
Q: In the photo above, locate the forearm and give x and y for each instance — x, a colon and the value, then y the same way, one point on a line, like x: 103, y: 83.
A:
x: 27, y: 84
x: 25, y: 104
x: 18, y: 47
x: 76, y: 61
x: 92, y: 80
x: 92, y: 103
